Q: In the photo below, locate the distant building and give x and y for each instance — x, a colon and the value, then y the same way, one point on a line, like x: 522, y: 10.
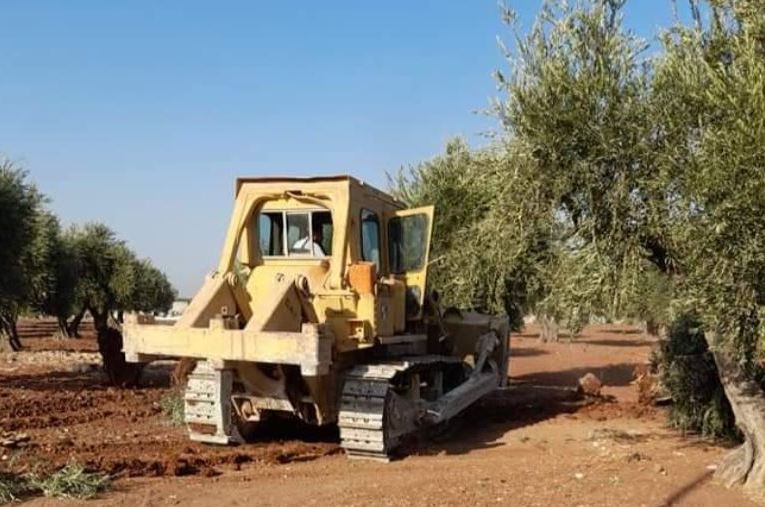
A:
x: 179, y: 306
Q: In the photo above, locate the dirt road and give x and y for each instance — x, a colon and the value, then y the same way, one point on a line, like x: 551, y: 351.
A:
x: 532, y: 445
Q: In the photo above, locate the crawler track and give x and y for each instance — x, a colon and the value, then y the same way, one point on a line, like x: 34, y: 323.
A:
x: 362, y: 419
x: 376, y: 409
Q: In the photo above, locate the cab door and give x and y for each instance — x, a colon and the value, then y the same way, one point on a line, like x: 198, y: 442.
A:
x: 408, y: 234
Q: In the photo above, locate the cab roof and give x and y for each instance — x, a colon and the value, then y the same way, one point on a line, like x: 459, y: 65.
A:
x: 313, y: 179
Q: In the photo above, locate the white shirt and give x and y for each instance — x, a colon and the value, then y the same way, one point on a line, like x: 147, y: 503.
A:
x: 309, y: 246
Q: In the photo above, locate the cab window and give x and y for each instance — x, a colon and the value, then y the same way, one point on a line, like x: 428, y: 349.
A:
x: 407, y: 243
x: 370, y: 237
x: 295, y: 233
x: 270, y: 230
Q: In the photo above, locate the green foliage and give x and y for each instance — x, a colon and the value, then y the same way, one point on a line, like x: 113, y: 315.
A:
x: 687, y: 370
x: 554, y: 219
x: 19, y: 202
x: 72, y: 481
x: 655, y: 162
x: 649, y: 297
x: 38, y: 256
x: 111, y: 278
x: 484, y: 254
x: 20, y: 221
x: 152, y: 291
x: 60, y: 300
x: 53, y: 269
x: 106, y: 277
x: 622, y: 187
x: 59, y: 273
x: 172, y: 406
x: 709, y: 94
x: 576, y: 106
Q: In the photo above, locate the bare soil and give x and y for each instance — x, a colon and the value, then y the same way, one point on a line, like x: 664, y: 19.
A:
x: 537, y: 443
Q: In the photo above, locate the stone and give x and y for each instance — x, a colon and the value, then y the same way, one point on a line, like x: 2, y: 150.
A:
x: 590, y: 385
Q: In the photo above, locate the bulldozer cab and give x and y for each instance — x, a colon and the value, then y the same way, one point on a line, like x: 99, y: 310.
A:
x: 357, y: 257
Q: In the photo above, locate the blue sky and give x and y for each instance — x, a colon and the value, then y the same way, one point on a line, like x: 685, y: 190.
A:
x: 140, y: 114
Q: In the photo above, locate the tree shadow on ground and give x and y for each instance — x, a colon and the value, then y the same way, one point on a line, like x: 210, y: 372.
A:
x: 618, y: 343
x: 92, y: 380
x: 563, y: 334
x: 687, y: 488
x: 524, y: 334
x: 481, y: 425
x: 625, y: 330
x: 527, y: 352
x: 611, y: 375
x: 530, y: 399
x: 82, y: 378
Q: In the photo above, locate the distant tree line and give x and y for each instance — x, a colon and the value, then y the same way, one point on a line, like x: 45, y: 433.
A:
x: 66, y: 272
x: 622, y: 185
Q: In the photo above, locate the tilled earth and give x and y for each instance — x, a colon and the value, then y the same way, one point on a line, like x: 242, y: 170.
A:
x: 537, y: 443
x: 57, y: 401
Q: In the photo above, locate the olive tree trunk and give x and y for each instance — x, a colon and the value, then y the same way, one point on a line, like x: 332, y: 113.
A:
x: 7, y: 344
x: 550, y: 329
x: 73, y: 328
x: 109, y: 335
x: 745, y: 465
x: 63, y: 329
x: 652, y: 327
x: 9, y: 335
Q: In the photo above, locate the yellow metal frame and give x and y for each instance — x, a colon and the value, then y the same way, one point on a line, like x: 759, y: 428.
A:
x: 283, y: 290
x: 308, y: 349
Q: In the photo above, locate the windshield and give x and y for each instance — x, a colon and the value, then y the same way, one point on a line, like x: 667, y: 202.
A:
x: 295, y: 233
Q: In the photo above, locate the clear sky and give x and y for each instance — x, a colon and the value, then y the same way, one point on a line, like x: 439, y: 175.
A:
x: 140, y: 114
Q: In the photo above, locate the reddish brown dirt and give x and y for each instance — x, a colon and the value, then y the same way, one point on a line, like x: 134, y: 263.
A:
x: 75, y: 415
x: 85, y: 344
x: 537, y: 443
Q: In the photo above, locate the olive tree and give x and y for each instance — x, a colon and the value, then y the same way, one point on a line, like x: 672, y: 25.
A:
x: 661, y: 162
x: 152, y: 291
x: 21, y: 221
x: 709, y: 97
x: 112, y: 280
x: 52, y: 268
x: 530, y: 224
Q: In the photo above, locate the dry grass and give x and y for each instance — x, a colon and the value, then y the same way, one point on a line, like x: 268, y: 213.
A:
x: 72, y: 481
x: 172, y: 405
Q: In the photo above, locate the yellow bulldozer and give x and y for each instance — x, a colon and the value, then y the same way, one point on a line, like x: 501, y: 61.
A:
x: 319, y: 309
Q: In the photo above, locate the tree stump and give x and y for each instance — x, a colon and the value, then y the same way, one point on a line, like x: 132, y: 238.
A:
x: 120, y: 372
